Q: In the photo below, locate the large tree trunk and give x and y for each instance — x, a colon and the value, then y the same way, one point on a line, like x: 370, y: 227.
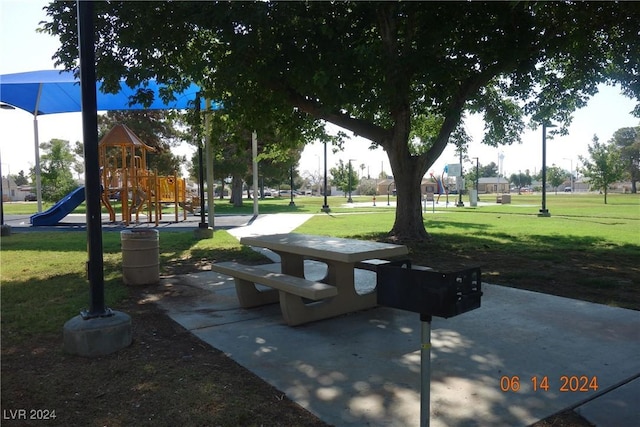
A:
x: 236, y: 191
x: 407, y: 174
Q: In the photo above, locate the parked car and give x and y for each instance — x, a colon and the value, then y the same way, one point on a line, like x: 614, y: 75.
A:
x: 567, y: 189
x: 30, y: 198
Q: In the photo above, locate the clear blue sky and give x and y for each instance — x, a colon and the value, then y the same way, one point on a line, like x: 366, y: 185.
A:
x: 23, y: 49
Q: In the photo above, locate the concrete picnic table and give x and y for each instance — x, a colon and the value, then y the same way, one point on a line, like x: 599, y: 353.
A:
x: 339, y: 254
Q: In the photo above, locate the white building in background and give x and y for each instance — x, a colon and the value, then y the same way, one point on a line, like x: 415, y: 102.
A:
x: 493, y: 184
x: 11, y: 192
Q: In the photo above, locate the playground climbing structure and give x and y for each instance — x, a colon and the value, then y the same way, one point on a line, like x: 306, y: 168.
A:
x: 125, y: 177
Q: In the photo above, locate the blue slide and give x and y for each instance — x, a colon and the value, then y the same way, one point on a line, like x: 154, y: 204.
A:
x: 64, y: 207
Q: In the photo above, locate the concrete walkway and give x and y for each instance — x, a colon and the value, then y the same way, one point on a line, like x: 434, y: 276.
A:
x: 364, y: 368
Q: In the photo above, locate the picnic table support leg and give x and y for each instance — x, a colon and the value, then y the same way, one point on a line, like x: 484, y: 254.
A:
x: 292, y: 264
x: 425, y: 370
x: 296, y: 312
x: 249, y: 296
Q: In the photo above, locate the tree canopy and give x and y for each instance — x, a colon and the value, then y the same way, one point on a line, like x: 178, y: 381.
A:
x: 603, y: 167
x: 401, y: 74
x: 627, y: 140
x: 344, y: 177
x: 56, y: 165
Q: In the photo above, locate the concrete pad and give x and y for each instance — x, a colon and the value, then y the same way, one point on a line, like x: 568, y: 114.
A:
x: 5, y: 230
x: 364, y: 368
x: 203, y: 233
x: 97, y: 336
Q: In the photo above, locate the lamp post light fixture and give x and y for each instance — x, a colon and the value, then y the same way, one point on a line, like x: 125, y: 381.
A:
x: 544, y: 211
x: 325, y: 207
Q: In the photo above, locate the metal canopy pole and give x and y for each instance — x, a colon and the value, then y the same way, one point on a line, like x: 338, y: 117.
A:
x: 203, y: 221
x: 254, y: 164
x: 209, y: 158
x: 425, y: 370
x: 36, y: 143
x: 196, y: 136
x: 91, y: 163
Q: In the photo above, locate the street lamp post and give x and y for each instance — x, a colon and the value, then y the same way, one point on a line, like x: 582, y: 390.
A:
x: 291, y: 203
x: 570, y: 173
x: 477, y: 177
x: 544, y: 211
x: 460, y: 203
x: 325, y: 207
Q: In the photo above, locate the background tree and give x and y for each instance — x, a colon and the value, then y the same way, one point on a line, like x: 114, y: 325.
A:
x: 604, y: 166
x: 520, y: 180
x: 20, y: 178
x: 488, y: 171
x: 278, y: 149
x: 56, y: 164
x: 340, y: 177
x: 628, y: 142
x: 374, y: 68
x: 367, y: 187
x: 556, y: 176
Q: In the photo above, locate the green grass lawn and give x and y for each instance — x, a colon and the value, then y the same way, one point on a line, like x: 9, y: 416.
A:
x: 585, y: 250
x: 43, y: 281
x: 617, y: 222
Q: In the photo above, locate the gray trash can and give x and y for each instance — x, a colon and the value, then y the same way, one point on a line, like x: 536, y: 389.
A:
x: 140, y: 257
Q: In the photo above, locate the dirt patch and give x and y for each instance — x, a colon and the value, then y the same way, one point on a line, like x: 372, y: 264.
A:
x: 167, y: 377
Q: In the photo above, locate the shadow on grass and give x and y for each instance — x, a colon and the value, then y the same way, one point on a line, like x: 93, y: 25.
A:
x: 35, y: 306
x: 46, y: 298
x: 587, y: 268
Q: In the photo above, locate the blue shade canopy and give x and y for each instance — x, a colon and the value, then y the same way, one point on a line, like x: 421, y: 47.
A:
x: 54, y: 91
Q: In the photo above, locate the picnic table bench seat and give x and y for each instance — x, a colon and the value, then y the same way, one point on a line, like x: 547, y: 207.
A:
x: 291, y: 291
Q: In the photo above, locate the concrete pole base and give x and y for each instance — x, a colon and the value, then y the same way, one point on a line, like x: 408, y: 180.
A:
x: 97, y: 336
x: 5, y: 230
x: 203, y: 233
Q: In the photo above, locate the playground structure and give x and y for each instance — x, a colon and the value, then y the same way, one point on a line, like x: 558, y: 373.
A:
x: 124, y: 176
x: 441, y: 186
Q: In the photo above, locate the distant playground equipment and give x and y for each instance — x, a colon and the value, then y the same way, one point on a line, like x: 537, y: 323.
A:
x: 125, y: 177
x: 442, y: 188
